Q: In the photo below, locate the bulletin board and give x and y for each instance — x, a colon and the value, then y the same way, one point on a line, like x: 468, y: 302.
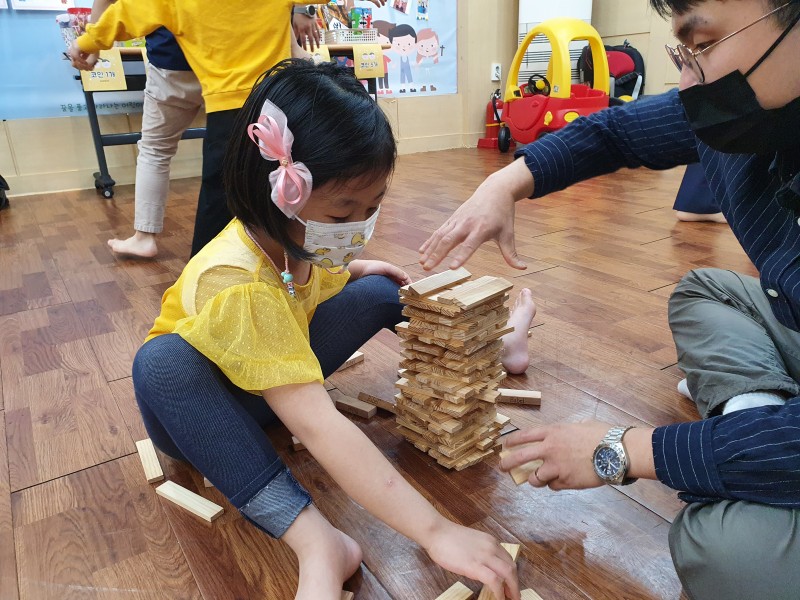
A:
x: 36, y: 81
x: 423, y: 58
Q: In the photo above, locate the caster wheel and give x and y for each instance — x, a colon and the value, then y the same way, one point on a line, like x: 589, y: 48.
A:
x: 503, y: 139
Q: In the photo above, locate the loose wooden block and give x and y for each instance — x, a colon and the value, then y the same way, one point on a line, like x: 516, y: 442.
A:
x: 353, y: 360
x: 512, y: 549
x: 435, y: 283
x: 457, y: 591
x: 347, y: 595
x: 512, y: 396
x: 521, y: 473
x: 297, y: 445
x: 149, y: 458
x: 378, y: 402
x: 352, y: 405
x: 529, y: 595
x: 207, y: 483
x: 188, y: 500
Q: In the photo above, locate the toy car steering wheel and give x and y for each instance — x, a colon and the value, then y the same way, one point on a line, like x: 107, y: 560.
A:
x: 538, y: 84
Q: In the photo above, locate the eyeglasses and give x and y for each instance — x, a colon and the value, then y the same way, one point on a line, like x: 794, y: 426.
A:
x: 682, y: 56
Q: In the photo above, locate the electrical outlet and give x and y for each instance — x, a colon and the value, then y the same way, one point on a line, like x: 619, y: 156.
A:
x: 497, y: 72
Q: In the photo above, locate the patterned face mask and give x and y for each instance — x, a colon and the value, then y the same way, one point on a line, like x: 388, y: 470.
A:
x: 337, y: 244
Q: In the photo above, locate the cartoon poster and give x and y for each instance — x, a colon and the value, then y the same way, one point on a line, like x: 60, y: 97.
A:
x: 422, y: 60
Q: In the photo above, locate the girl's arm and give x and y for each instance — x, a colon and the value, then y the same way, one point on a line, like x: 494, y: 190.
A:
x: 368, y: 478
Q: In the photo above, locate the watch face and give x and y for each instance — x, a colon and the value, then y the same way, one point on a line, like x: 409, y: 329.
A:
x: 607, y: 463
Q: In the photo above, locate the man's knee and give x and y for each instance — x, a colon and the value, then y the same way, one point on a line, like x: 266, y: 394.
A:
x: 736, y: 550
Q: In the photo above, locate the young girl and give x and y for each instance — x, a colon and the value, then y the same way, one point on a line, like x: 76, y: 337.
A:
x: 256, y: 322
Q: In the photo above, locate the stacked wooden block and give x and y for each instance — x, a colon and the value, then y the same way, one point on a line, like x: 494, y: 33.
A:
x: 451, y: 369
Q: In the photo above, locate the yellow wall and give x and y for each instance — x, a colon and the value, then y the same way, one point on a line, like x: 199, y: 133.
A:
x: 47, y: 155
x: 634, y: 20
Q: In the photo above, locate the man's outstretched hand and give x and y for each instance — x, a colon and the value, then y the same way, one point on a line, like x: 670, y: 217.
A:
x: 487, y: 215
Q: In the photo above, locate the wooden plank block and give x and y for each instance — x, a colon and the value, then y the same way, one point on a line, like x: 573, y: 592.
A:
x: 149, y: 458
x: 521, y: 473
x: 356, y: 358
x: 529, y: 595
x: 352, y: 405
x: 188, y: 500
x: 378, y: 402
x: 347, y: 595
x: 297, y: 445
x: 501, y: 420
x: 207, y: 483
x: 512, y: 549
x: 435, y: 283
x: 458, y: 591
x: 526, y: 397
x: 476, y: 292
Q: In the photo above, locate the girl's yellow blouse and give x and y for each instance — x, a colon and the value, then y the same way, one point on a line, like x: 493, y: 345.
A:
x: 230, y: 304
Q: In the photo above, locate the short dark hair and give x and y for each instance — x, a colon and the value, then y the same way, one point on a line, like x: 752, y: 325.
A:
x: 667, y: 8
x: 402, y: 31
x: 340, y: 134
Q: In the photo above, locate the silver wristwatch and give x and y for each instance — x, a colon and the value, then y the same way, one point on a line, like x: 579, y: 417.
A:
x: 610, y: 460
x: 308, y: 10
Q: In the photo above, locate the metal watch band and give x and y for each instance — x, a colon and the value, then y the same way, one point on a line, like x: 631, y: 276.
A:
x: 308, y: 10
x: 615, y: 434
x: 619, y: 433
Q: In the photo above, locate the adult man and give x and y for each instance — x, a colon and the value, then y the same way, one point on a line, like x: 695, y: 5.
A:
x: 738, y: 112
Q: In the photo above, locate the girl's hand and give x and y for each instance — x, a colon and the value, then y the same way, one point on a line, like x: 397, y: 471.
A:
x: 476, y: 555
x: 361, y: 268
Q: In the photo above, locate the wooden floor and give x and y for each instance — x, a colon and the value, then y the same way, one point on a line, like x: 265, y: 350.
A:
x: 79, y: 520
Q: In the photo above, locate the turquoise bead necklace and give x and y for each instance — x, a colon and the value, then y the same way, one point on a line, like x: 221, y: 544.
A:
x: 286, y: 274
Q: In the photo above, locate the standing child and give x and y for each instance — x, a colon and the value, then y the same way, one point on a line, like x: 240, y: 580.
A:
x: 256, y: 322
x: 227, y: 45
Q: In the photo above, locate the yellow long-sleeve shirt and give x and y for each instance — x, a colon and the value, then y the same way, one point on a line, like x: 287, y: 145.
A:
x: 227, y: 44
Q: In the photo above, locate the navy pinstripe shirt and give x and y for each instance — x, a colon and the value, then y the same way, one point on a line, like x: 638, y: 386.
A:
x: 753, y: 454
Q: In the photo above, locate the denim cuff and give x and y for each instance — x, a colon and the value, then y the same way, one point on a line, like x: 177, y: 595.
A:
x: 274, y: 508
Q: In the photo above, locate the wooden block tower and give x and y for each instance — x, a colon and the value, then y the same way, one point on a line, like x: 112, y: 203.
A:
x: 451, y: 368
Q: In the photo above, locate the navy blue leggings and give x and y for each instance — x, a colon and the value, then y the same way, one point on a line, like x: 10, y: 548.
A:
x: 194, y: 413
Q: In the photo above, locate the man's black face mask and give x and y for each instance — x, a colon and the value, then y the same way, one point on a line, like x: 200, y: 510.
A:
x: 726, y: 115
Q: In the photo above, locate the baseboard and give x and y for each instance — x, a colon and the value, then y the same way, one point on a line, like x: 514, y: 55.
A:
x: 82, y: 179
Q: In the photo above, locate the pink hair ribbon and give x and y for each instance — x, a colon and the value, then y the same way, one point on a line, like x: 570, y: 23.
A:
x: 291, y: 182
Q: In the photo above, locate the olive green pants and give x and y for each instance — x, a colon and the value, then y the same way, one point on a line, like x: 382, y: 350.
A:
x: 730, y: 343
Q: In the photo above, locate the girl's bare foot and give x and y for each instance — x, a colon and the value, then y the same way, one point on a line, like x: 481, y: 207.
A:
x: 140, y: 244
x: 515, y: 357
x: 690, y: 216
x: 328, y: 557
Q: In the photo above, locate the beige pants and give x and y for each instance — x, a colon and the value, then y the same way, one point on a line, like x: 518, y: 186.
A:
x: 172, y: 100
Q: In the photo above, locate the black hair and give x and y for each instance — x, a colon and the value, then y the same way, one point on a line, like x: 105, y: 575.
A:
x: 402, y: 31
x: 339, y: 131
x: 667, y: 8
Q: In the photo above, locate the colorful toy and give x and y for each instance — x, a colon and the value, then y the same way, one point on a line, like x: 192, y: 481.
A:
x: 547, y: 103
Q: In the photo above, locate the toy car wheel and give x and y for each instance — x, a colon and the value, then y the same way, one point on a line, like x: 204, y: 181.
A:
x: 503, y: 139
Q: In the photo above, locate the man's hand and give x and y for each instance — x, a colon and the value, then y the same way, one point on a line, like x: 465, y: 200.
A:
x: 487, y: 215
x: 567, y: 450
x: 306, y: 31
x: 81, y: 60
x: 361, y: 268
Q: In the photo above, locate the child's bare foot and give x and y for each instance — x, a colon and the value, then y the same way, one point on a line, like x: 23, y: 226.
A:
x: 689, y: 216
x: 141, y: 244
x: 515, y: 356
x: 327, y: 556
